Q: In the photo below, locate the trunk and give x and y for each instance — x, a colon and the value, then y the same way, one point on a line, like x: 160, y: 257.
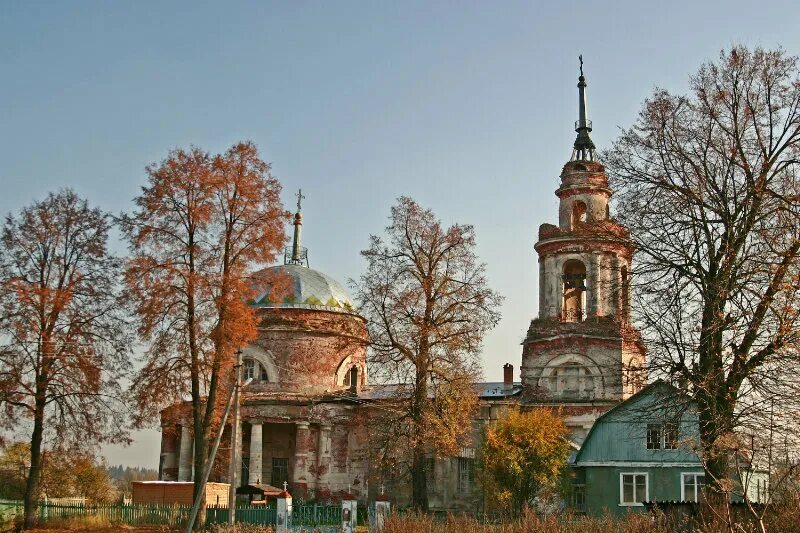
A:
x: 31, y: 499
x: 200, y: 457
x: 419, y: 488
x: 714, y: 416
x: 197, y: 404
x: 715, y: 413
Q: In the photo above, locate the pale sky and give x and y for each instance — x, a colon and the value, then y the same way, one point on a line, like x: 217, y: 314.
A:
x: 468, y: 107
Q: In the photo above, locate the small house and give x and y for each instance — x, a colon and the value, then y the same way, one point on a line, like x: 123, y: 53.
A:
x: 177, y: 493
x: 643, y: 450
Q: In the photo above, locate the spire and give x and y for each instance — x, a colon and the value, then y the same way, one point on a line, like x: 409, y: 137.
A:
x: 583, y: 149
x: 299, y: 255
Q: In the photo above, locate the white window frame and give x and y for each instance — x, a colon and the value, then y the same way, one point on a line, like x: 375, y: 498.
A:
x: 646, y: 475
x: 684, y: 475
x: 249, y: 369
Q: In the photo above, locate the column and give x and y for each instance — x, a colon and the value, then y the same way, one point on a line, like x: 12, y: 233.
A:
x: 256, y: 452
x: 551, y: 288
x: 185, y: 461
x: 169, y: 457
x: 542, y: 278
x: 594, y: 285
x: 324, y: 456
x: 301, y: 446
x: 615, y: 292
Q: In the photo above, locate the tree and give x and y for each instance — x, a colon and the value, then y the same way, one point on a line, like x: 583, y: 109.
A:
x: 524, y: 455
x: 123, y: 477
x: 14, y: 463
x: 67, y: 339
x: 202, y: 224
x: 427, y: 303
x: 64, y: 472
x: 708, y: 184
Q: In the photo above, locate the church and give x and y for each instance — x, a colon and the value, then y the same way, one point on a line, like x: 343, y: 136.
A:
x: 305, y: 410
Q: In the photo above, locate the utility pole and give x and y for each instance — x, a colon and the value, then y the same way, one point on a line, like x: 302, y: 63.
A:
x: 210, y: 462
x: 235, y: 437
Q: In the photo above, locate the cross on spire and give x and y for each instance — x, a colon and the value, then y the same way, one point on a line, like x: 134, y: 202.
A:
x: 583, y: 149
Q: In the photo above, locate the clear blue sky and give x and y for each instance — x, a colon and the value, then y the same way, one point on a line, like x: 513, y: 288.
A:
x: 466, y: 106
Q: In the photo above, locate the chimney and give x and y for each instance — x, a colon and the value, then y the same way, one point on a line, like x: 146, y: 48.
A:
x: 508, y: 377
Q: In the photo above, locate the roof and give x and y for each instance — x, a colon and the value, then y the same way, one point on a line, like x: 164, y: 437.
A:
x: 487, y: 390
x: 492, y: 390
x: 647, y: 389
x: 307, y: 289
x: 267, y: 490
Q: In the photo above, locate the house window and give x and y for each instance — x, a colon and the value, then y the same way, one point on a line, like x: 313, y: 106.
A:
x: 691, y: 486
x: 662, y: 436
x: 653, y: 436
x: 633, y: 489
x: 579, y: 498
x: 466, y: 473
x: 670, y: 436
x: 280, y: 471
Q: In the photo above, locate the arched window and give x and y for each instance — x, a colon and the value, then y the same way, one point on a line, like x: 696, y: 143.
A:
x: 249, y: 369
x: 253, y: 370
x: 578, y: 213
x: 351, y: 378
x: 574, y: 305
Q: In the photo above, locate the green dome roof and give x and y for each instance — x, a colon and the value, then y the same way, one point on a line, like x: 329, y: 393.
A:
x: 308, y: 289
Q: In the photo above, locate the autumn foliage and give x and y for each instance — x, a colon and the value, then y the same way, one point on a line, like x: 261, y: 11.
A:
x: 202, y: 224
x: 523, y: 457
x: 428, y: 305
x: 68, y: 343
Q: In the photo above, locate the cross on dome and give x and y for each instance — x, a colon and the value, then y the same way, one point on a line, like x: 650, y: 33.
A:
x: 297, y: 255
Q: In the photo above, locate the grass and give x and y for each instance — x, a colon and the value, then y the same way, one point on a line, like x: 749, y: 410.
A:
x: 781, y: 519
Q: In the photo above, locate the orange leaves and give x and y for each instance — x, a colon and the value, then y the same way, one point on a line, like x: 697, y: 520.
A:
x: 524, y: 453
x: 60, y: 312
x: 202, y: 225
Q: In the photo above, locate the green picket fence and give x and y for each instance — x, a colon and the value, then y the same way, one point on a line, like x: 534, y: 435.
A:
x: 134, y: 515
x: 248, y: 514
x: 303, y: 515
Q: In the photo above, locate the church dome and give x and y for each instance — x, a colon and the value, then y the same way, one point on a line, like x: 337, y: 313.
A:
x: 299, y: 287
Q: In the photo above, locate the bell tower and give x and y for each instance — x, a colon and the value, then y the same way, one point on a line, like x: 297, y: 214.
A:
x: 582, y: 351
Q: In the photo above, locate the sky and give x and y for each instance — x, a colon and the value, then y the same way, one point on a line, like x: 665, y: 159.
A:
x: 468, y: 107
